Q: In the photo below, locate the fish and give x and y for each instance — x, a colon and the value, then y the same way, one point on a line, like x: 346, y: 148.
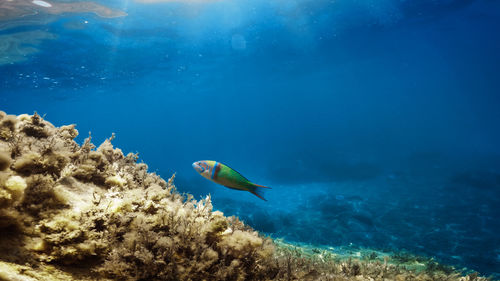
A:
x: 228, y: 177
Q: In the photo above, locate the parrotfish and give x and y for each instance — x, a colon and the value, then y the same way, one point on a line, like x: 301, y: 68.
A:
x: 223, y: 175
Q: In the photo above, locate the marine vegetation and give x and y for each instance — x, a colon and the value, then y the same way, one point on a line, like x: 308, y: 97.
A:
x: 81, y: 212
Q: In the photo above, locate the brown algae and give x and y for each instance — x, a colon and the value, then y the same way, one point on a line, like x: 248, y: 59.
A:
x: 71, y: 212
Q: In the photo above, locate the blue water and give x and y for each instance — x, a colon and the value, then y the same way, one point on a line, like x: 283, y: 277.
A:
x: 376, y: 123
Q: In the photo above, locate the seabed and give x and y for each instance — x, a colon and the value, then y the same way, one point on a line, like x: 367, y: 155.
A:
x: 81, y: 212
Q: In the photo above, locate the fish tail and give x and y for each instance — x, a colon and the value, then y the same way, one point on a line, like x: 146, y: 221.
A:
x: 258, y: 185
x: 258, y: 190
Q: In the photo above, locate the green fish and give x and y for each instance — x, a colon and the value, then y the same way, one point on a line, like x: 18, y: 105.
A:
x: 222, y: 174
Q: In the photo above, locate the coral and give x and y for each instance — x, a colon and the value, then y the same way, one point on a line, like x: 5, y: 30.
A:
x: 71, y: 212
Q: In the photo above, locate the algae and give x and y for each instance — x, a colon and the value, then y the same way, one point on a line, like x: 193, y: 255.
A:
x: 71, y: 212
x: 4, y: 160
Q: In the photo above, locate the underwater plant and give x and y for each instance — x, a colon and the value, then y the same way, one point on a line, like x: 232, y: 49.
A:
x: 81, y: 212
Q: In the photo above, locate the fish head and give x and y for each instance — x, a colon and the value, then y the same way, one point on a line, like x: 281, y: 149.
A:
x: 203, y: 168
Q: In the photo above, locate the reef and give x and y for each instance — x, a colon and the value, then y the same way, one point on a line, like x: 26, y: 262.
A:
x: 81, y: 212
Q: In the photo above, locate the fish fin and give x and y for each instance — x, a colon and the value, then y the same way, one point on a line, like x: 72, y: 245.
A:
x: 258, y: 191
x: 258, y: 185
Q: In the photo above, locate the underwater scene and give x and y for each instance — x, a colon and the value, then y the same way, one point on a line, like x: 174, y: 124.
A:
x: 249, y: 140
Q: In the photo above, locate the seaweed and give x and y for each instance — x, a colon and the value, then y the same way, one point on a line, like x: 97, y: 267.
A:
x: 71, y: 212
x: 4, y: 160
